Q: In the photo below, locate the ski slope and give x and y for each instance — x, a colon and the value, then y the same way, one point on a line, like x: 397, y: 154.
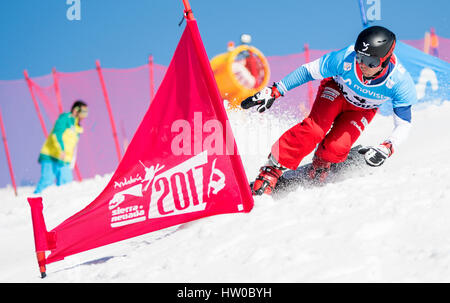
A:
x: 386, y: 224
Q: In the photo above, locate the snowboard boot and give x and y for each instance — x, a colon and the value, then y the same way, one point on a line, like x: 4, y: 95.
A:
x: 319, y: 169
x: 267, y: 178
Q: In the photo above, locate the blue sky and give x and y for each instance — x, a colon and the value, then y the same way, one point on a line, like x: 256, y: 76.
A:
x: 36, y: 35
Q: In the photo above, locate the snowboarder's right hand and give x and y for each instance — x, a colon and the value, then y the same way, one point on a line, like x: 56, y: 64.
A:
x: 264, y: 99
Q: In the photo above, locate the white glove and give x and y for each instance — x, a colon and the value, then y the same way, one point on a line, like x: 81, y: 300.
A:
x: 264, y: 99
x: 375, y: 156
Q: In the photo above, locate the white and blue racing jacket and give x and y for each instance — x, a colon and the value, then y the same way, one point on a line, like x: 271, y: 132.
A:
x: 396, y: 85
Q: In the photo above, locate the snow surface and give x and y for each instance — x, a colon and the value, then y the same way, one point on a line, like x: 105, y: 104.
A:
x: 386, y: 224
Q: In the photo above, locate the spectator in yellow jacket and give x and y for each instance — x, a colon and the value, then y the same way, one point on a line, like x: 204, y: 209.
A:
x: 59, y: 149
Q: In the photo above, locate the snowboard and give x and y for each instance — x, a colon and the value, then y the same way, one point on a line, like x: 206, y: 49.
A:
x: 291, y: 180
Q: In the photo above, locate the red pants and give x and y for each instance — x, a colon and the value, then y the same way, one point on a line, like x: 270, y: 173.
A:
x: 330, y: 108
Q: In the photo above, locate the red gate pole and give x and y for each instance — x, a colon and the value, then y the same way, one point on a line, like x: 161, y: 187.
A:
x: 36, y: 105
x: 310, y: 88
x: 5, y: 143
x: 108, y: 106
x: 188, y: 10
x: 60, y: 108
x: 152, y: 81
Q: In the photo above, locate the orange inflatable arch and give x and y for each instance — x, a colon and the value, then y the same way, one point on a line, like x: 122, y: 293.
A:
x: 240, y: 73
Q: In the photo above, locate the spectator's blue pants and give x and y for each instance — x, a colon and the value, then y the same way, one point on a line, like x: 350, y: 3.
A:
x: 52, y: 170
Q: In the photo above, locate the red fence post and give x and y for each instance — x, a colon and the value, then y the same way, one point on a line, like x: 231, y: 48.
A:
x: 152, y: 81
x: 108, y: 106
x: 57, y: 91
x: 36, y: 105
x: 310, y: 88
x: 60, y: 109
x: 5, y: 143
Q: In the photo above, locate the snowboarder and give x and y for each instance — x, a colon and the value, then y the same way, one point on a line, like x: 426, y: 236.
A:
x: 356, y: 81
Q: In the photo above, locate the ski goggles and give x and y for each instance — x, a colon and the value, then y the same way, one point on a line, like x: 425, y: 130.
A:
x: 368, y: 61
x: 372, y: 61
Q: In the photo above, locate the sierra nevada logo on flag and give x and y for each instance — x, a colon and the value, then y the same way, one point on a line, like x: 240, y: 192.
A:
x: 176, y: 191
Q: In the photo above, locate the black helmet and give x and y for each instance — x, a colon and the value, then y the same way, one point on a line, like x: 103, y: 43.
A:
x: 374, y: 46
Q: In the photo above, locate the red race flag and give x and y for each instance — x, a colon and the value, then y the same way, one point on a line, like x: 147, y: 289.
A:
x: 181, y: 165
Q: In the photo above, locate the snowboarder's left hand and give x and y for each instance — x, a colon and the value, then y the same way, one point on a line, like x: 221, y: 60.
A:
x: 375, y: 156
x: 263, y: 98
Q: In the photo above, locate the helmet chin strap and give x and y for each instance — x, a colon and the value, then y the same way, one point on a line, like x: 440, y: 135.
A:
x: 374, y: 75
